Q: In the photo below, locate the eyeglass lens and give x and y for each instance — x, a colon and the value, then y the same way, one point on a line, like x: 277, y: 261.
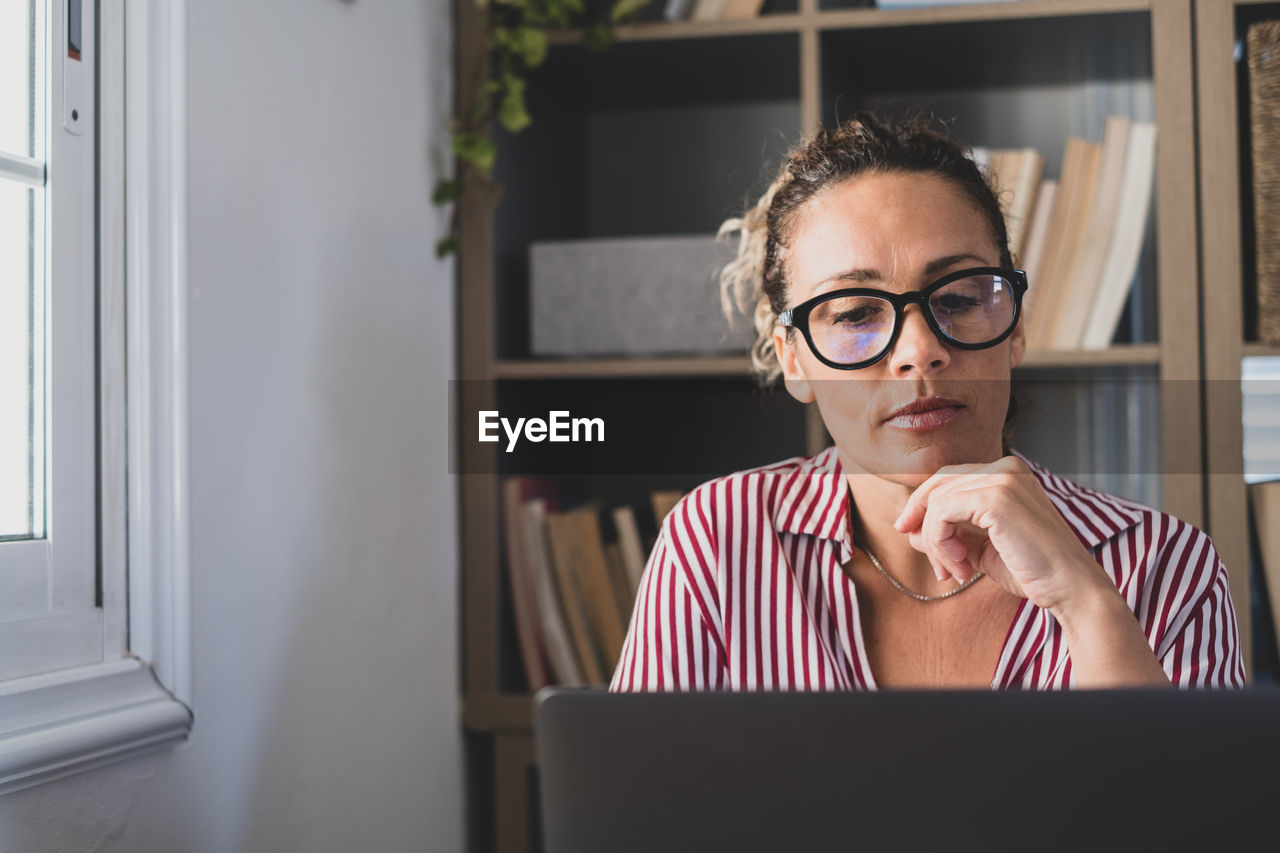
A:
x: 973, y: 310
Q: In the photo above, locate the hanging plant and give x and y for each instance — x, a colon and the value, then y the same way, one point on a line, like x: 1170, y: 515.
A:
x: 516, y: 32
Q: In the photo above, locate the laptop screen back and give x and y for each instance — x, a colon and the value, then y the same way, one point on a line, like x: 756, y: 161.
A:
x: 907, y: 770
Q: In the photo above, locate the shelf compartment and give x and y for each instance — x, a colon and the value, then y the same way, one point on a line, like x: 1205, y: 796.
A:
x: 740, y: 366
x: 645, y: 140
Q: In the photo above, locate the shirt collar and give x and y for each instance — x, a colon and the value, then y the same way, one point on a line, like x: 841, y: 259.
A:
x: 816, y: 502
x: 1094, y: 516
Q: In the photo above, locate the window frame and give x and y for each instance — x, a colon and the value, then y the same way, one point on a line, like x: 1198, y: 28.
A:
x: 140, y: 696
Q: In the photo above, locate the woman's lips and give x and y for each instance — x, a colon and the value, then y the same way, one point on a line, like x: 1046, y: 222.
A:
x: 925, y: 414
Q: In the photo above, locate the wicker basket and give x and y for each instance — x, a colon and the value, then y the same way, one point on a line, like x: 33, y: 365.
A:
x: 1263, y: 51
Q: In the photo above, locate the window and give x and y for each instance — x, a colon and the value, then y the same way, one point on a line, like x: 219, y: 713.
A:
x: 47, y: 382
x: 93, y: 637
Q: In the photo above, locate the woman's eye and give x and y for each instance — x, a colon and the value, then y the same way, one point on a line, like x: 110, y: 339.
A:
x: 855, y: 316
x: 954, y: 303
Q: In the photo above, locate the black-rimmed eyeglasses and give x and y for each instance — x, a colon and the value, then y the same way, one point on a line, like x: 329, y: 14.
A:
x: 856, y: 327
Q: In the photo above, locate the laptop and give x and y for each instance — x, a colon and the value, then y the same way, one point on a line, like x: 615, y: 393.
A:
x: 908, y: 770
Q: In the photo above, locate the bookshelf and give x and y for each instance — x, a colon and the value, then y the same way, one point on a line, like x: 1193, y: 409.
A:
x: 679, y: 124
x: 1228, y: 263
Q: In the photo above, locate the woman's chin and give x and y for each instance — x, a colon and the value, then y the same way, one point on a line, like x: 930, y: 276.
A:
x: 912, y: 467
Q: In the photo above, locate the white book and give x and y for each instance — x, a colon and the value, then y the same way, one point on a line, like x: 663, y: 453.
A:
x: 920, y: 4
x: 707, y: 10
x: 1026, y: 182
x: 678, y: 10
x: 1037, y: 235
x: 1085, y: 269
x: 555, y: 631
x: 624, y: 519
x: 1126, y: 241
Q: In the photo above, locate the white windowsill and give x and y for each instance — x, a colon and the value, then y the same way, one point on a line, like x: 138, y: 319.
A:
x: 61, y: 723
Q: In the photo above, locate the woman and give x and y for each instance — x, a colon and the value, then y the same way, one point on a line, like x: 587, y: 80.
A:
x: 918, y: 550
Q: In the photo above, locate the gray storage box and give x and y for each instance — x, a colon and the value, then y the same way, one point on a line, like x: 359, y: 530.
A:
x: 632, y: 296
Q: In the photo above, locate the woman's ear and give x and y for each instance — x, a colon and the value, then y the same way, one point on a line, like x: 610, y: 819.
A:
x: 1018, y: 348
x: 793, y: 374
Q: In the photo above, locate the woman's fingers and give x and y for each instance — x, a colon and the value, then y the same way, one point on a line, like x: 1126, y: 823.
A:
x: 950, y: 534
x: 947, y: 476
x: 950, y: 555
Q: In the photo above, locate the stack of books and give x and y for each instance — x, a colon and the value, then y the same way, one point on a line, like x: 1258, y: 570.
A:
x: 711, y: 10
x: 571, y: 589
x: 1078, y: 236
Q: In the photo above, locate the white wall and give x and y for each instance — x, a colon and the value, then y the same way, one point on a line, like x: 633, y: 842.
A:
x: 323, y: 520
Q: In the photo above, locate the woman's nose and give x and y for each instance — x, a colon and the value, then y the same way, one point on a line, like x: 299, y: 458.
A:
x: 917, y: 346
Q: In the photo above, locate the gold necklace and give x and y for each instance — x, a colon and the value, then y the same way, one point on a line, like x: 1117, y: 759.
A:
x: 917, y: 596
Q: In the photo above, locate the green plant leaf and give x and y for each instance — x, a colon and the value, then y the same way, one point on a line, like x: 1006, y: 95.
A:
x: 446, y: 246
x: 558, y: 12
x: 477, y: 149
x: 530, y: 45
x: 446, y: 190
x: 597, y: 37
x: 512, y: 112
x: 625, y: 9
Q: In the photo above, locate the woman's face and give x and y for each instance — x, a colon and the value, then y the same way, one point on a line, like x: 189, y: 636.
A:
x: 898, y: 232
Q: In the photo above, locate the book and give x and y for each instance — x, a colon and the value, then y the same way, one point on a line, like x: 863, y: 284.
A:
x: 1084, y: 270
x: 1033, y: 248
x: 740, y: 10
x: 663, y: 502
x: 1264, y: 499
x: 921, y: 4
x: 707, y: 10
x: 678, y: 10
x: 1024, y: 180
x: 624, y: 521
x: 1121, y: 263
x: 618, y: 582
x: 520, y: 577
x: 1014, y: 177
x: 566, y: 668
x: 1075, y: 191
x: 1262, y: 52
x: 573, y: 597
x: 578, y: 552
x: 1037, y: 320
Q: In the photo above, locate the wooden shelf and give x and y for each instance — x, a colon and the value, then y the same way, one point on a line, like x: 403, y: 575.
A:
x: 501, y: 712
x: 1116, y: 356
x: 1256, y: 349
x: 733, y: 366
x: 775, y: 78
x: 606, y: 368
x: 841, y: 19
x: 787, y: 22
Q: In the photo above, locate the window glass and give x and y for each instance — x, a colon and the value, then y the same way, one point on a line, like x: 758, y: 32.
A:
x: 22, y: 280
x: 21, y: 362
x: 21, y: 77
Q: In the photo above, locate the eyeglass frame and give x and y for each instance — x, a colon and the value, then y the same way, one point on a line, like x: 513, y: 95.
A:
x: 797, y: 317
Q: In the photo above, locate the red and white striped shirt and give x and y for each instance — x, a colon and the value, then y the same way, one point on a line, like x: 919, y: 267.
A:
x: 745, y: 590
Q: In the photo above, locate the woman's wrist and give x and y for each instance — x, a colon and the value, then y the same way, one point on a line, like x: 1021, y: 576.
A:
x: 1091, y: 600
x: 1106, y: 643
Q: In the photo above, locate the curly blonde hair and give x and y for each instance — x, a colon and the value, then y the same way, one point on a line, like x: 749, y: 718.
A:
x: 754, y: 282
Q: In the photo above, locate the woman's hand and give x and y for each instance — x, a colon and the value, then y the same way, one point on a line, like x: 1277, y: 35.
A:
x: 996, y: 518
